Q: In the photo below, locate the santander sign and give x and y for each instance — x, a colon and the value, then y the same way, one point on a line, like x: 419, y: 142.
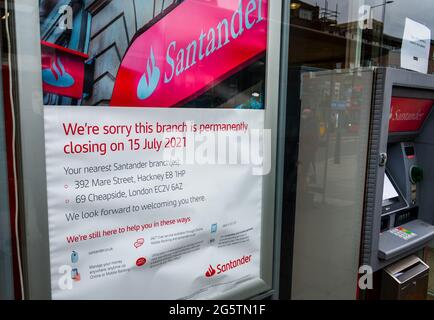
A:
x: 195, y: 46
x: 408, y: 114
x: 227, y: 266
x: 62, y: 70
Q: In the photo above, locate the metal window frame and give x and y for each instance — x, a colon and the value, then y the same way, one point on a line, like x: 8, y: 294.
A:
x: 6, y: 255
x: 33, y: 195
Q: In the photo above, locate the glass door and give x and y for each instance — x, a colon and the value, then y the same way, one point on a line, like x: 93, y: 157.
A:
x: 333, y: 47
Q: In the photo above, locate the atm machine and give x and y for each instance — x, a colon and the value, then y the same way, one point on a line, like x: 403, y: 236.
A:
x: 399, y: 193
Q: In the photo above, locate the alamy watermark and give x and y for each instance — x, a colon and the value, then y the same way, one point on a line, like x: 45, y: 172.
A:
x: 66, y: 19
x: 366, y: 280
x: 248, y: 149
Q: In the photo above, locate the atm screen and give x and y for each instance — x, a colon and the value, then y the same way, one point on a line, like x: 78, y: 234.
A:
x: 389, y: 191
x: 392, y: 199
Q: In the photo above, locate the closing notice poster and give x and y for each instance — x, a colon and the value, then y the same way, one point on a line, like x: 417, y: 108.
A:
x: 155, y: 148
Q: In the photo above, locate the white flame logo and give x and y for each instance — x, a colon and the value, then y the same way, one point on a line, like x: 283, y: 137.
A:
x: 150, y: 79
x: 57, y: 76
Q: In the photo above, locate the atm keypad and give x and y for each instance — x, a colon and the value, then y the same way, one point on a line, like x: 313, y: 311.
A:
x: 403, y: 233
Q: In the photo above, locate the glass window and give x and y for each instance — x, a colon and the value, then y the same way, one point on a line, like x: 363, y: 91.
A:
x: 152, y: 75
x: 333, y: 44
x: 394, y: 24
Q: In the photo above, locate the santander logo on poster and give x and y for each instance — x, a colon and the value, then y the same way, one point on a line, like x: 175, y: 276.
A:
x: 210, y: 272
x: 195, y: 46
x: 408, y: 114
x: 227, y: 266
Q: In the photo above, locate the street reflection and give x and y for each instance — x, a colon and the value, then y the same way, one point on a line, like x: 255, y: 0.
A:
x: 331, y: 176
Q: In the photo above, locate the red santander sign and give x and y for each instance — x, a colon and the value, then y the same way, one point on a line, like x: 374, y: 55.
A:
x: 408, y: 114
x: 193, y: 47
x: 227, y: 266
x: 62, y: 70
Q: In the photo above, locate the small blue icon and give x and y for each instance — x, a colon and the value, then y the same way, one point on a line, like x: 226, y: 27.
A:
x: 75, y: 275
x: 214, y: 228
x: 74, y: 257
x: 150, y: 79
x: 255, y: 104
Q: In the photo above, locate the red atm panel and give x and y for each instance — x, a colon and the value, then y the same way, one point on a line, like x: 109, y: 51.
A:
x: 408, y: 114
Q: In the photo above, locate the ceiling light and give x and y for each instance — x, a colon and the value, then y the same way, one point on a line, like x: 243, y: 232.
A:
x: 295, y: 5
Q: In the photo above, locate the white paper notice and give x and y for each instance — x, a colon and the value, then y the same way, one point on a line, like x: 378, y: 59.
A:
x: 125, y: 223
x: 416, y: 44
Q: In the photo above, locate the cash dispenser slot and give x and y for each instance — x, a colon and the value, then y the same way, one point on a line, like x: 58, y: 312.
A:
x: 406, y: 216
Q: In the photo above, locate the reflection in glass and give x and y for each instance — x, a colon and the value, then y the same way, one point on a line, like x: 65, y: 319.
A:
x: 334, y: 126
